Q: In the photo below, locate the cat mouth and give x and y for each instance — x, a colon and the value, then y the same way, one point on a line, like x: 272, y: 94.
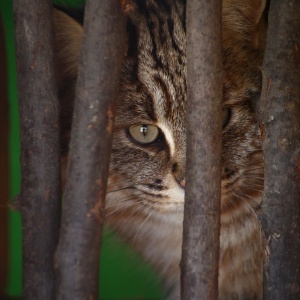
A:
x: 167, y: 199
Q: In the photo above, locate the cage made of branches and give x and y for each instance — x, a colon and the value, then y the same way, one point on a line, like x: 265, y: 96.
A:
x: 76, y: 238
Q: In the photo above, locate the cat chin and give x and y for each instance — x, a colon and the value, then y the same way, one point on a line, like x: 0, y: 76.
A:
x: 171, y: 218
x: 171, y: 206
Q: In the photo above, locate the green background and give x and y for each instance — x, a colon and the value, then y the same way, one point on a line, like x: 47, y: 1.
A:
x: 123, y: 275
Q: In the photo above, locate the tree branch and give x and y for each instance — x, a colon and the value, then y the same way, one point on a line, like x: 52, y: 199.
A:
x: 77, y: 257
x: 278, y: 117
x: 40, y: 167
x: 201, y: 231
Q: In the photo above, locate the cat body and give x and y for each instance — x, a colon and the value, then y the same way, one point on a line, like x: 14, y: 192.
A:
x: 145, y: 198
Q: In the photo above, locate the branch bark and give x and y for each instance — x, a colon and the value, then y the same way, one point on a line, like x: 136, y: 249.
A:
x: 279, y: 122
x: 40, y: 167
x: 77, y: 256
x: 201, y: 231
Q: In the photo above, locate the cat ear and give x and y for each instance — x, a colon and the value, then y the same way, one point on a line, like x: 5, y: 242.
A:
x: 68, y: 39
x: 246, y: 19
x: 252, y: 10
x: 67, y: 46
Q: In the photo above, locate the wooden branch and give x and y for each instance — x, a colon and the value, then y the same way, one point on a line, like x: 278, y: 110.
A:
x: 279, y: 122
x: 201, y: 231
x: 40, y: 168
x: 77, y: 257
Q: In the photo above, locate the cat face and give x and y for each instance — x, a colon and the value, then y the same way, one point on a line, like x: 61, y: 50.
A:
x: 153, y: 99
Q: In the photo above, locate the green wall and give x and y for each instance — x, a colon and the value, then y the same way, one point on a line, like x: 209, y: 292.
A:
x: 123, y: 275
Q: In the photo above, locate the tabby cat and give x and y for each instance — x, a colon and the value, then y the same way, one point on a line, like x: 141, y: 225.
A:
x: 145, y: 196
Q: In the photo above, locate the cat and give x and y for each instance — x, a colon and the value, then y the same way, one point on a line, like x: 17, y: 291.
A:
x: 145, y: 198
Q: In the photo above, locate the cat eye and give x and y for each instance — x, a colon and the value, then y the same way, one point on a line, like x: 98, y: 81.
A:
x: 144, y: 134
x: 225, y: 116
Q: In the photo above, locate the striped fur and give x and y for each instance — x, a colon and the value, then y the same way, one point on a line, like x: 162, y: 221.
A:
x: 146, y: 186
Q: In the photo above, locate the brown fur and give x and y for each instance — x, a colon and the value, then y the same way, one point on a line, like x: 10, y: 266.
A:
x: 146, y: 185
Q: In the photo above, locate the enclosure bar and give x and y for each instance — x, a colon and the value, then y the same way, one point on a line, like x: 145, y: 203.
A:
x: 201, y: 231
x: 40, y: 167
x: 77, y: 257
x: 279, y: 123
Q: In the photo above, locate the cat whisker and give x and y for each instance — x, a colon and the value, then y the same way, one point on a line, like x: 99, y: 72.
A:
x: 130, y: 187
x: 252, y: 176
x: 118, y: 209
x: 248, y: 170
x: 123, y: 199
x: 123, y: 206
x: 149, y: 215
x: 241, y: 198
x: 255, y: 185
x: 124, y: 203
x: 251, y: 198
x: 118, y: 181
x: 248, y: 206
x: 138, y: 208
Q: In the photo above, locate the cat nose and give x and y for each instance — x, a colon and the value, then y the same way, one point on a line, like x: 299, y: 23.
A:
x: 178, y: 171
x: 182, y: 183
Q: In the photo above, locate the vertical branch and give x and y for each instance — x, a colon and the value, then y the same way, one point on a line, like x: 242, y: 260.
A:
x: 40, y: 167
x: 201, y: 231
x: 279, y: 122
x: 77, y: 257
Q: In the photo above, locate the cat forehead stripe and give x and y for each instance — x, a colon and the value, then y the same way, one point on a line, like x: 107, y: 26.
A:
x: 168, y: 136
